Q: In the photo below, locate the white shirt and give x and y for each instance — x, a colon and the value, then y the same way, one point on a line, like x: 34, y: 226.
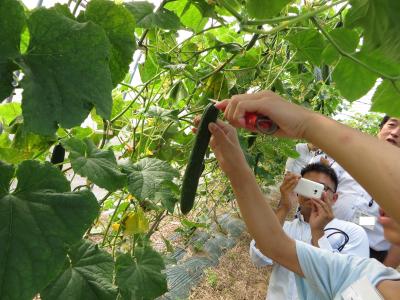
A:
x: 354, y: 199
x: 329, y: 275
x: 282, y: 285
x: 295, y: 165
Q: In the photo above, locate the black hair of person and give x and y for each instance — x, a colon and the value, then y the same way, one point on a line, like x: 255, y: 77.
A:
x: 384, y: 120
x: 321, y: 168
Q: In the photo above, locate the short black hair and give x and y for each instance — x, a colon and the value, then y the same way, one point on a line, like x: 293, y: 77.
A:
x: 321, y: 168
x: 384, y: 120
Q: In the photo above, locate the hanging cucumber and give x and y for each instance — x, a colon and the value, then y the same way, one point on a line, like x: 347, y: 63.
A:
x: 196, y: 160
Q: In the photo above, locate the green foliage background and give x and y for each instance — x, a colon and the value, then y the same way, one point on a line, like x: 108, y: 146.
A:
x: 73, y: 63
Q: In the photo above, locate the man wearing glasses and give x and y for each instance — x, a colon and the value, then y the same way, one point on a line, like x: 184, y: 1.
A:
x: 314, y: 224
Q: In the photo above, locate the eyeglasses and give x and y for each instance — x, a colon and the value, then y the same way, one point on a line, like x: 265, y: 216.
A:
x: 327, y: 188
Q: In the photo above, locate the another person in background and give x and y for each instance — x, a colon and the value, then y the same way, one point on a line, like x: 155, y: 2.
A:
x: 315, y: 224
x: 306, y: 152
x: 355, y: 202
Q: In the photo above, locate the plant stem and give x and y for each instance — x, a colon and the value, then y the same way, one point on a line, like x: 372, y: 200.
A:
x: 136, y: 97
x: 112, y: 219
x: 157, y: 222
x: 229, y: 8
x: 351, y: 57
x: 221, y: 67
x: 76, y: 6
x: 105, y: 133
x: 292, y: 21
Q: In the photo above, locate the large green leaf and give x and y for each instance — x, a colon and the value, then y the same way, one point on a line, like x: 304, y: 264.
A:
x: 99, y: 166
x: 38, y: 220
x: 9, y: 111
x: 386, y: 98
x: 12, y: 21
x: 190, y: 16
x: 149, y: 68
x: 140, y: 277
x: 346, y: 39
x: 261, y: 9
x: 143, y: 13
x: 66, y: 72
x: 381, y: 23
x: 167, y: 19
x: 353, y: 80
x: 88, y: 275
x: 147, y: 175
x: 146, y: 18
x: 119, y: 25
x: 309, y: 44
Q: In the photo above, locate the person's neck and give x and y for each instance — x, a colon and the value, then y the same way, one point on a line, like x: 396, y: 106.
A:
x: 306, y: 216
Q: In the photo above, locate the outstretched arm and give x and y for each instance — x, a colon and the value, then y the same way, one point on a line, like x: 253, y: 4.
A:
x: 260, y: 219
x: 349, y: 147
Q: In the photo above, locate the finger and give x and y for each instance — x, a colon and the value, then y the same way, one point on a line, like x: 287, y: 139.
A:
x: 314, y: 209
x: 293, y: 183
x: 221, y: 105
x: 225, y: 126
x: 230, y: 110
x: 317, y: 204
x: 196, y: 120
x: 382, y: 212
x: 326, y: 208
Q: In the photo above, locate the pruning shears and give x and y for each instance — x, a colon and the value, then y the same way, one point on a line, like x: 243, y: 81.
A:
x: 260, y: 123
x: 257, y: 122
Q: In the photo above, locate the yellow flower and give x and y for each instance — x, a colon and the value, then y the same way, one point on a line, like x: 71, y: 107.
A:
x: 136, y: 222
x: 130, y: 197
x: 115, y: 226
x: 149, y: 152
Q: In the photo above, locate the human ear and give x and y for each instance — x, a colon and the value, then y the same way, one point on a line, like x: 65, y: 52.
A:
x: 335, y: 197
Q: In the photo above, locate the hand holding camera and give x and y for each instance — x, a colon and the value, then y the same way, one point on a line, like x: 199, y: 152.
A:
x: 288, y: 196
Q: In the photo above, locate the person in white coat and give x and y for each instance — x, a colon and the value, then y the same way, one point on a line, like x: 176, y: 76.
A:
x: 306, y: 152
x: 355, y: 202
x: 312, y: 226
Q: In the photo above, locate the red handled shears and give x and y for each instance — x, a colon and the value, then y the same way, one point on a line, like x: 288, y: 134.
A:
x: 260, y: 123
x: 257, y: 122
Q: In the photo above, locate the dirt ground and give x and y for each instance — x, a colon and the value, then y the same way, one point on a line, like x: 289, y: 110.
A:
x: 235, y: 277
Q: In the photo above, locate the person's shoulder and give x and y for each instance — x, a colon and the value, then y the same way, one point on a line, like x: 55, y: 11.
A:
x: 348, y: 227
x: 289, y: 226
x: 301, y: 147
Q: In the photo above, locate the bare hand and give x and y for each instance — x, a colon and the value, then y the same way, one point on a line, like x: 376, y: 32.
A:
x: 291, y: 119
x: 196, y: 123
x: 288, y: 196
x: 321, y: 214
x: 391, y: 228
x: 225, y: 145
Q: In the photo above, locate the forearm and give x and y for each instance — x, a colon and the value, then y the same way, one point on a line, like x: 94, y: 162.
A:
x: 261, y: 220
x: 315, y: 236
x: 393, y: 257
x: 281, y: 214
x: 360, y: 155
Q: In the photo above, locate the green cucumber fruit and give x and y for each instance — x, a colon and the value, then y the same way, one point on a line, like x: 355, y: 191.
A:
x: 196, y: 160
